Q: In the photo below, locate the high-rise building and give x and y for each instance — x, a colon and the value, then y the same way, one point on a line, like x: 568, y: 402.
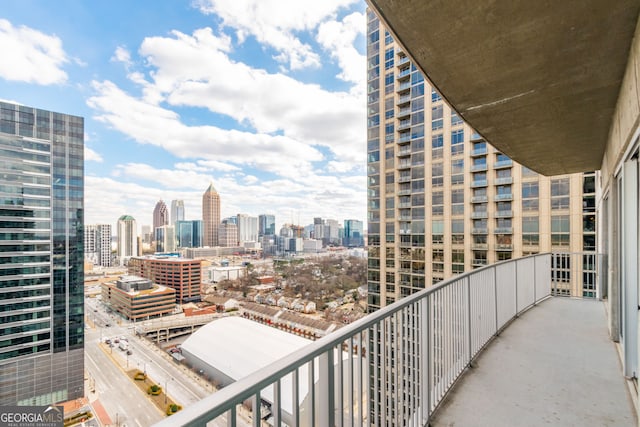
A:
x: 189, y: 234
x: 227, y: 234
x: 441, y: 199
x: 353, y: 233
x: 160, y: 216
x: 42, y: 256
x: 165, y: 239
x: 97, y: 244
x: 210, y: 216
x: 146, y: 234
x: 266, y: 224
x: 177, y: 211
x: 247, y: 228
x: 127, y: 238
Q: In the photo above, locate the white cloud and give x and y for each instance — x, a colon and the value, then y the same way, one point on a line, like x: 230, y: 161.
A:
x: 194, y: 71
x: 151, y: 124
x: 337, y: 38
x: 275, y: 22
x: 31, y: 56
x: 122, y: 55
x: 91, y: 155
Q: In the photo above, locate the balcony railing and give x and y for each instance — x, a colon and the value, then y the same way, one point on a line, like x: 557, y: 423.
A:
x: 327, y: 383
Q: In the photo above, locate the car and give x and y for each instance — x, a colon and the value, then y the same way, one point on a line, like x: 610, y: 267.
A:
x: 129, y: 352
x: 108, y: 325
x: 116, y: 340
x: 107, y: 341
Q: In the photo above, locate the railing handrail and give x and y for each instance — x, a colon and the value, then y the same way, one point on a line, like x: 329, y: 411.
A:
x: 219, y: 403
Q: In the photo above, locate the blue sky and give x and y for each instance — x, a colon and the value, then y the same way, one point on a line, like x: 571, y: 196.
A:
x: 266, y: 98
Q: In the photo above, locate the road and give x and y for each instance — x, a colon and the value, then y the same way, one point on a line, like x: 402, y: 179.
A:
x: 107, y: 369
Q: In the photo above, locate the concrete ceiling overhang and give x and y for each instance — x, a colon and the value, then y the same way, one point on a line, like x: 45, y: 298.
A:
x: 538, y: 79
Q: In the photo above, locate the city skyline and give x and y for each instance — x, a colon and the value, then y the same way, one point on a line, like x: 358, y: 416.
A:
x: 268, y: 106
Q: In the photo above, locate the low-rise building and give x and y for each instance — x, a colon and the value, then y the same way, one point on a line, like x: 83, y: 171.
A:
x: 138, y: 298
x: 214, y: 274
x: 182, y: 274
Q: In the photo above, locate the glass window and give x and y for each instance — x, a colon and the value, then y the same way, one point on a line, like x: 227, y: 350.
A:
x: 436, y: 117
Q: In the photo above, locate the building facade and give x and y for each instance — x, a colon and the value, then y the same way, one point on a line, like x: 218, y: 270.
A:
x: 227, y: 234
x: 177, y: 211
x: 42, y: 254
x: 183, y: 275
x: 138, y: 298
x: 442, y: 200
x: 127, y: 238
x: 266, y: 225
x: 165, y: 239
x: 97, y: 244
x: 353, y: 233
x: 210, y: 216
x: 189, y: 234
x: 247, y: 228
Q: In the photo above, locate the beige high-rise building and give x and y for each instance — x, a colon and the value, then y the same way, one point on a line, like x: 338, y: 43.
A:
x: 441, y: 200
x: 210, y: 216
x: 127, y: 233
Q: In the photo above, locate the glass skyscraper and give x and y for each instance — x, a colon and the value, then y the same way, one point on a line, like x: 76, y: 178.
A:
x: 41, y: 256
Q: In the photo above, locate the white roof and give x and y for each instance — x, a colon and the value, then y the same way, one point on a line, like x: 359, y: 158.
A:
x: 238, y: 347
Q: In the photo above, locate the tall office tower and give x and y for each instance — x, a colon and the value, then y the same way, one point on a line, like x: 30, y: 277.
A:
x: 165, y: 239
x: 227, y: 234
x: 318, y: 228
x: 210, y: 216
x: 177, y: 211
x: 353, y: 233
x: 41, y: 251
x: 332, y: 231
x: 189, y: 234
x: 146, y: 234
x: 160, y: 216
x: 441, y: 200
x: 266, y: 224
x: 97, y: 244
x: 127, y: 238
x: 247, y: 228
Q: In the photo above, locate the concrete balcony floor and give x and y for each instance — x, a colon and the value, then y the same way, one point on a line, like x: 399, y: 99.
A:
x: 555, y: 365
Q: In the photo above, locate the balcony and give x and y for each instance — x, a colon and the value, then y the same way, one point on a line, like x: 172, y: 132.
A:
x: 403, y: 112
x: 326, y: 383
x: 479, y: 215
x: 479, y: 168
x: 404, y: 124
x: 404, y: 137
x: 478, y: 231
x: 479, y: 152
x: 503, y: 164
x: 505, y: 196
x: 503, y: 230
x: 479, y: 199
x: 479, y: 183
x: 404, y: 178
x: 479, y: 246
x: 404, y: 73
x: 504, y: 214
x: 503, y: 181
x: 404, y: 151
x: 402, y: 60
x: 403, y: 99
x: 403, y: 86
